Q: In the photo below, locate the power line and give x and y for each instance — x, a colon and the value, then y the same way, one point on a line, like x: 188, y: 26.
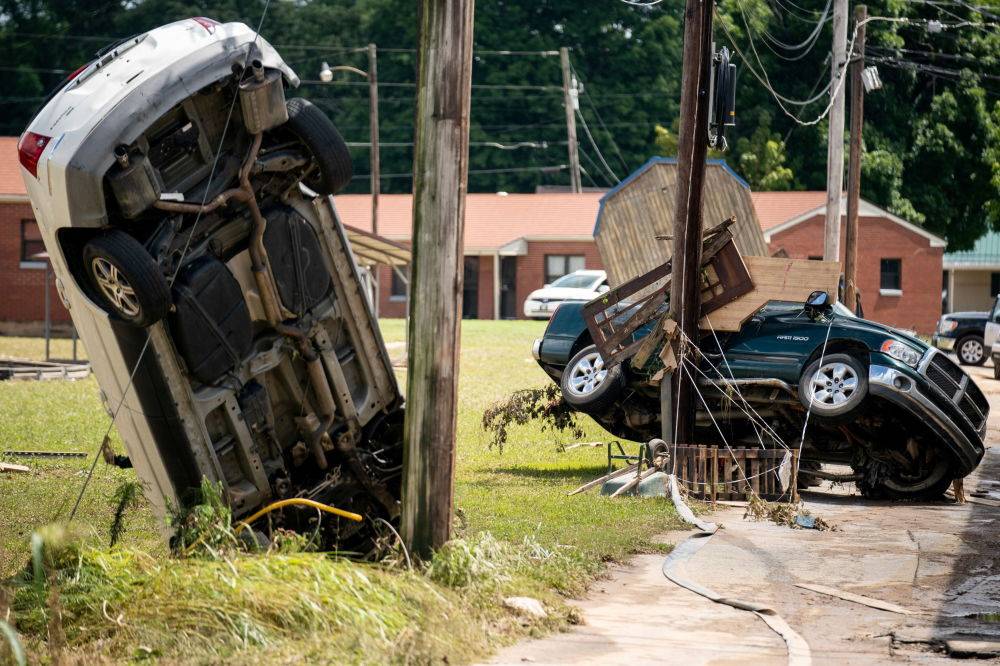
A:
x: 600, y: 156
x: 555, y: 168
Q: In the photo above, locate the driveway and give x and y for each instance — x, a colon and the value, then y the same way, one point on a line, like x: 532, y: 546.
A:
x: 938, y: 561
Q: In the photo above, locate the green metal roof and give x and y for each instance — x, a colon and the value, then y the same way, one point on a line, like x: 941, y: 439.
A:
x: 986, y: 252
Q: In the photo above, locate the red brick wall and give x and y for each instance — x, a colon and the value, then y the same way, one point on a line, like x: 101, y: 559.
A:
x: 920, y: 305
x: 530, y: 275
x: 531, y: 266
x: 23, y: 298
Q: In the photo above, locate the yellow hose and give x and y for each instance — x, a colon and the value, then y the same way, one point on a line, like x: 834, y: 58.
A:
x: 299, y: 501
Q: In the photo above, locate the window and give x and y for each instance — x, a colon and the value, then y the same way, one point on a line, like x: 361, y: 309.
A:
x: 31, y: 244
x: 557, y: 265
x: 891, y: 277
x: 813, y: 257
x: 994, y: 284
x: 397, y: 291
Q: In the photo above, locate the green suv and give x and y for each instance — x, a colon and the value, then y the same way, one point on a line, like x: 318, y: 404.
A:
x: 901, y: 414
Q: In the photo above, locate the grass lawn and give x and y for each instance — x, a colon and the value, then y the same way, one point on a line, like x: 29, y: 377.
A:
x: 539, y: 541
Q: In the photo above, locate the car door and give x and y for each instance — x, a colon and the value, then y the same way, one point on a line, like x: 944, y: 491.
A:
x: 774, y: 343
x: 992, y: 333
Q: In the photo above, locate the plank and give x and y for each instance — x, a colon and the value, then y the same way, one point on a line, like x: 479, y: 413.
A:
x: 855, y: 598
x: 775, y: 278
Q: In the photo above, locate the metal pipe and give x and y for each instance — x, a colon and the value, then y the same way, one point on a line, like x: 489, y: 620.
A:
x: 178, y: 207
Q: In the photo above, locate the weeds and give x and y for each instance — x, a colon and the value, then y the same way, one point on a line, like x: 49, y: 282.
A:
x: 542, y: 404
x: 785, y: 514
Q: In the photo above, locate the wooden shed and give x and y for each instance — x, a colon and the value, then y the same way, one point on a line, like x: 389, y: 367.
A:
x: 641, y: 207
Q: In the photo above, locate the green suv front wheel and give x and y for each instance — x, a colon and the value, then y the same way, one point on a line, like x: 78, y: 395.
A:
x: 834, y: 385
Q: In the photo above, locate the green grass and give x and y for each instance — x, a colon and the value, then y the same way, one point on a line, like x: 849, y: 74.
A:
x: 549, y: 545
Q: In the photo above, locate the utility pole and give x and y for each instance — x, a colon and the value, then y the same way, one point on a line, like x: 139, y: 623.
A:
x: 374, y: 169
x: 835, y: 134
x: 854, y: 167
x: 692, y: 144
x: 440, y: 174
x: 373, y: 130
x: 572, y: 102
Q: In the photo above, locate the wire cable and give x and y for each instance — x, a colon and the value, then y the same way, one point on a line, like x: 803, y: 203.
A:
x: 600, y: 156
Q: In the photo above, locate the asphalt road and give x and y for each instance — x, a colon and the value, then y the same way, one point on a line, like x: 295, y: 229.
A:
x: 939, y: 561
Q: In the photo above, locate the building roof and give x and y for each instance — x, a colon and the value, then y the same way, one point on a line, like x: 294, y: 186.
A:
x: 492, y: 221
x: 984, y: 254
x: 774, y: 208
x: 11, y: 182
x: 796, y: 205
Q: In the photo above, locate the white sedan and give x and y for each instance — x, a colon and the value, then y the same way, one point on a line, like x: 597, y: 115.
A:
x: 575, y: 286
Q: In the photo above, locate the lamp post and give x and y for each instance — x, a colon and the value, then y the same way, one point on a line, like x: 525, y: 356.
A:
x: 326, y: 76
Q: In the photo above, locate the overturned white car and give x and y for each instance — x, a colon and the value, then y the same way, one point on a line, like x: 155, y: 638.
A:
x: 185, y: 204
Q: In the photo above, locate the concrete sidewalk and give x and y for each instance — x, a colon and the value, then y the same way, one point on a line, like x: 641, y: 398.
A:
x: 935, y: 559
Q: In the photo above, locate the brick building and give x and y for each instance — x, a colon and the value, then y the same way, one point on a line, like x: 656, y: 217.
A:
x: 22, y: 275
x: 514, y: 243
x: 899, y: 264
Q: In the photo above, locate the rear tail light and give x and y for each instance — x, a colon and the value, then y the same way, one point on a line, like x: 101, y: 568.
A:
x: 30, y: 149
x: 207, y: 23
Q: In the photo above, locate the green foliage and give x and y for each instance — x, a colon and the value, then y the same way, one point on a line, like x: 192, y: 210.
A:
x: 762, y: 158
x: 938, y: 155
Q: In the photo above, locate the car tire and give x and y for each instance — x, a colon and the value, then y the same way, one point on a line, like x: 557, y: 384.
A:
x: 128, y: 281
x: 970, y: 350
x: 323, y: 141
x: 587, y: 385
x: 833, y: 386
x: 894, y: 484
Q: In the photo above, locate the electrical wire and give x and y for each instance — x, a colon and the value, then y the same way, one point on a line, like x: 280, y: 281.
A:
x: 600, y: 120
x: 600, y: 156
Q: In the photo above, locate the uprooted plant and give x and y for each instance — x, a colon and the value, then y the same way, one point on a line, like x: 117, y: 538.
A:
x: 541, y: 404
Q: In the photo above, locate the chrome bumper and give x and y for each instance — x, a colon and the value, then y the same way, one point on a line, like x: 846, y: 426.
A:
x: 900, y: 388
x: 942, y: 343
x: 536, y: 349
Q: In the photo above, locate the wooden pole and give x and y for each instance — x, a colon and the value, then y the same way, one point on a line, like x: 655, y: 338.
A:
x: 685, y: 293
x: 835, y: 134
x: 375, y: 162
x: 440, y: 173
x: 854, y: 167
x: 571, y: 102
x: 373, y: 123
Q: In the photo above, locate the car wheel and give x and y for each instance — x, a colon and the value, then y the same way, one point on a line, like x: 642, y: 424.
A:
x: 834, y: 385
x: 970, y: 350
x: 920, y: 472
x: 587, y: 385
x: 333, y: 159
x: 129, y: 282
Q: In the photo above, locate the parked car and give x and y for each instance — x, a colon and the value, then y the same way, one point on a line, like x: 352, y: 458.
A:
x: 184, y: 202
x: 578, y: 286
x: 991, y: 336
x: 962, y: 333
x: 904, y: 416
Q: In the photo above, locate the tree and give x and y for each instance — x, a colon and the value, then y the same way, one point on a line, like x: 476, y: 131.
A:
x: 762, y: 158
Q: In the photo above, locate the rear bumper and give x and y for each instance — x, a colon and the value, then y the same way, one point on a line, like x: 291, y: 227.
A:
x: 538, y: 309
x: 943, y: 343
x: 904, y: 390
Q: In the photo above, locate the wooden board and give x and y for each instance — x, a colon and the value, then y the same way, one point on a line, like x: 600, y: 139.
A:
x: 776, y: 279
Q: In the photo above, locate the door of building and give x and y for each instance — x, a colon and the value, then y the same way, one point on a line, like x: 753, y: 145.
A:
x: 508, y: 287
x: 470, y: 290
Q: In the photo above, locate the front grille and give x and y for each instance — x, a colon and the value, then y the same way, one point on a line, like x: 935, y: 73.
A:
x: 944, y: 375
x: 958, y: 388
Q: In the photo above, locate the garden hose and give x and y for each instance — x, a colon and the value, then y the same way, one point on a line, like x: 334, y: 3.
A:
x: 299, y: 501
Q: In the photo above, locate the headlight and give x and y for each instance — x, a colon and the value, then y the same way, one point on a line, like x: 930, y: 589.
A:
x: 947, y: 326
x: 901, y: 352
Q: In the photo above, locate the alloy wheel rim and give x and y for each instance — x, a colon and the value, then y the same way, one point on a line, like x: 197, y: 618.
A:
x: 588, y: 374
x: 115, y: 287
x: 833, y: 384
x: 971, y: 351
